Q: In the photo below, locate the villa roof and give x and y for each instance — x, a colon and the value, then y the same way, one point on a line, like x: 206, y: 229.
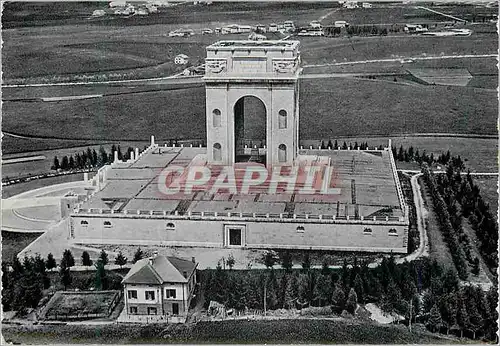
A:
x: 160, y: 269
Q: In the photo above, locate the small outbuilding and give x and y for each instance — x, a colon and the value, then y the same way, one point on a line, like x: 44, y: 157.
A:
x: 181, y: 59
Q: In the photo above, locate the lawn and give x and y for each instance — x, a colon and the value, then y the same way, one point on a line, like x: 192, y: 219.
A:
x: 15, y: 242
x: 277, y: 331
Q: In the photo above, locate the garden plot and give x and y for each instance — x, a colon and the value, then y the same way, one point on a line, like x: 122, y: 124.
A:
x: 80, y: 305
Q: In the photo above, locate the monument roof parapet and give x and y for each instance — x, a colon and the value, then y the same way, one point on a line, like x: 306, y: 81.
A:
x: 245, y: 44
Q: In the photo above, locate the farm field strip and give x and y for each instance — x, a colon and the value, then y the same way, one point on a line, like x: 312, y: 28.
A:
x: 466, y: 56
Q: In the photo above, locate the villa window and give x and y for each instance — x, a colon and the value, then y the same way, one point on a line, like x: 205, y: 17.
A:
x: 132, y: 294
x: 84, y: 223
x: 282, y: 119
x: 150, y: 295
x: 393, y: 232
x: 367, y: 231
x: 170, y: 226
x: 152, y: 311
x: 107, y: 224
x: 300, y: 229
x: 170, y: 293
x: 133, y: 310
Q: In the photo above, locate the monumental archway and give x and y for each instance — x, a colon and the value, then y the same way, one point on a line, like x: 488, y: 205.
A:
x: 266, y: 70
x: 250, y: 122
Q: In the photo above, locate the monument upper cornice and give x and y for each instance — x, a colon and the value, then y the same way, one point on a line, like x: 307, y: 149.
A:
x: 269, y: 45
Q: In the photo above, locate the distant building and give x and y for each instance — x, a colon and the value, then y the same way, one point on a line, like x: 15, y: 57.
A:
x: 181, y: 59
x: 117, y: 3
x: 366, y: 5
x: 160, y: 286
x: 98, y: 13
x: 273, y: 27
x: 341, y: 24
x: 415, y: 29
x: 351, y: 4
x: 142, y: 11
x: 315, y: 24
x: 257, y: 37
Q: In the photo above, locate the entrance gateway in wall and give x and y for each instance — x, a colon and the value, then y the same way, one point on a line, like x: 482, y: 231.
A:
x: 259, y: 77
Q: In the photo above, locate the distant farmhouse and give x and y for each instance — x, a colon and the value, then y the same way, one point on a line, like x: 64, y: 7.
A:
x: 160, y: 287
x: 181, y: 59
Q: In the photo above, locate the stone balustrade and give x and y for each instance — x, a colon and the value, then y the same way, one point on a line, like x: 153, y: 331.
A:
x: 208, y: 215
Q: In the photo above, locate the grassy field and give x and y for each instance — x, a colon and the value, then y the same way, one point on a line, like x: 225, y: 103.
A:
x: 329, y: 107
x: 277, y: 331
x: 126, y: 47
x: 15, y: 189
x: 15, y: 242
x: 489, y: 191
x: 22, y: 169
x: 323, y: 50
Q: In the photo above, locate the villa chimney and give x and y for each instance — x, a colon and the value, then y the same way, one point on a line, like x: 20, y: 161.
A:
x: 185, y: 273
x: 193, y: 260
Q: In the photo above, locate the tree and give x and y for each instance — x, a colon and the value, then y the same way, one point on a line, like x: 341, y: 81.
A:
x: 51, y: 262
x: 120, y: 259
x: 475, y: 318
x: 325, y: 269
x: 56, y: 165
x: 286, y: 261
x: 120, y: 155
x: 100, y: 282
x: 462, y: 317
x: 338, y: 298
x: 86, y: 261
x: 71, y: 164
x: 138, y: 255
x: 290, y: 292
x: 65, y: 275
x: 435, y: 321
x: 230, y: 261
x: 358, y: 287
x: 103, y: 257
x: 306, y: 263
x: 323, y: 289
x: 64, y: 163
x: 475, y: 266
x: 95, y: 158
x: 352, y: 302
x: 67, y: 260
x: 269, y: 259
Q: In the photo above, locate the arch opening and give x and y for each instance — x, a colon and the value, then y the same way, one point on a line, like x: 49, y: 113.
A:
x: 250, y: 120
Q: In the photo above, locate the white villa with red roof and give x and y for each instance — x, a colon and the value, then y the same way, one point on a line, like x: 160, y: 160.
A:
x: 159, y: 287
